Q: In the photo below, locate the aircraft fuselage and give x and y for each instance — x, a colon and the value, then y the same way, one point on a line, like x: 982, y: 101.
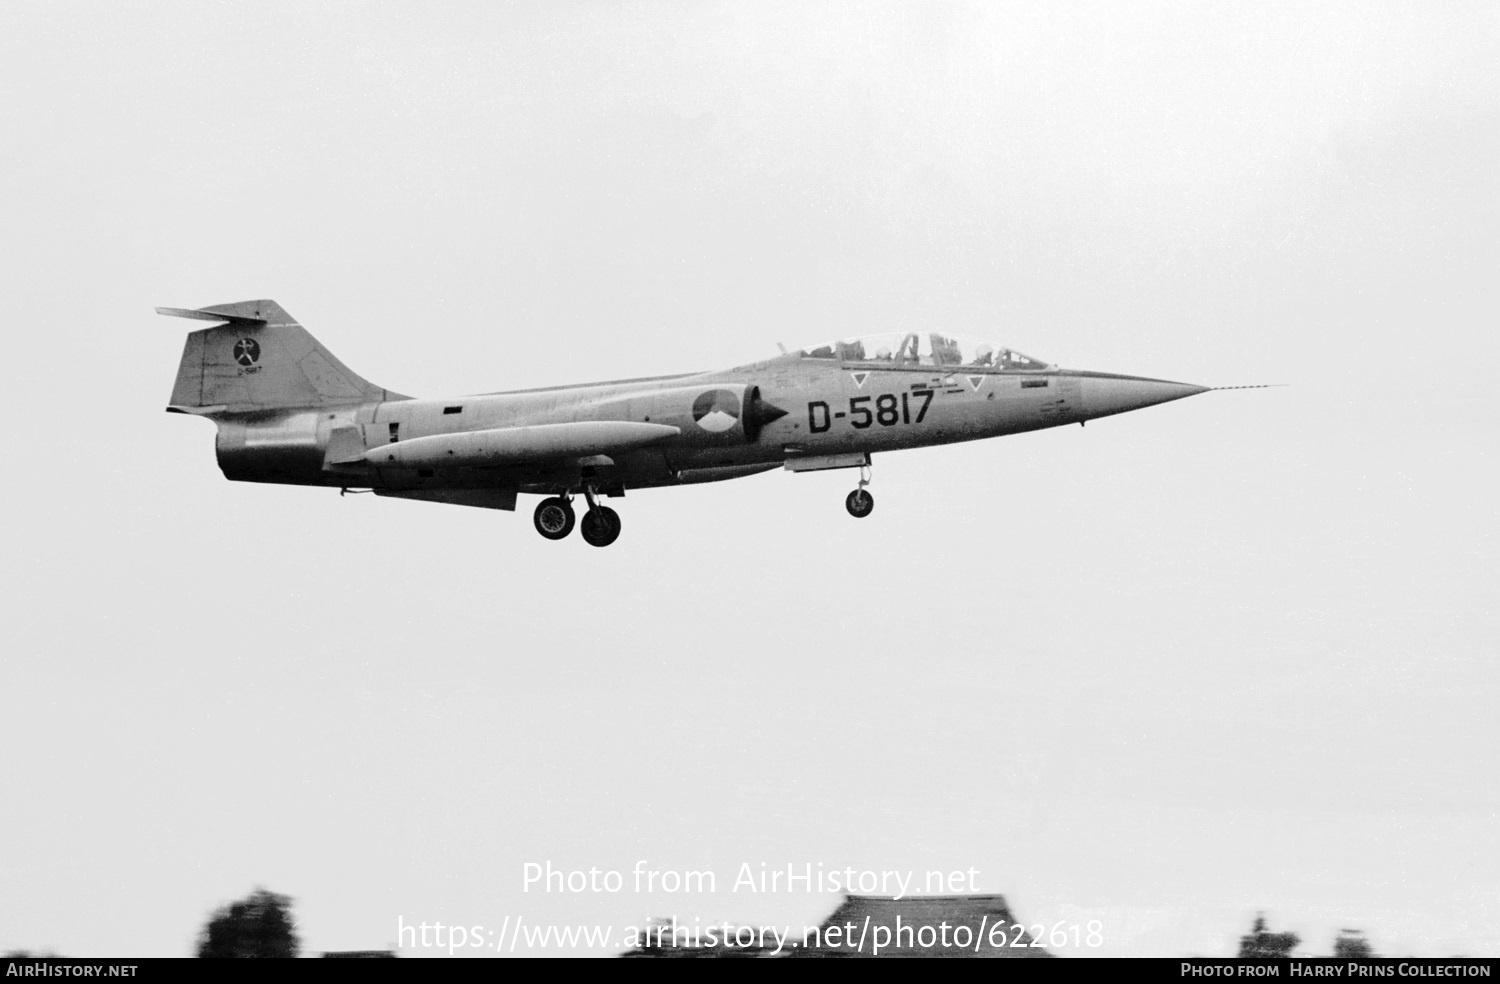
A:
x: 830, y: 411
x: 288, y: 411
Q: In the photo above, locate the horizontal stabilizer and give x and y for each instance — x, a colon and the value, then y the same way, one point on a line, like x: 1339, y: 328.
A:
x: 199, y: 315
x: 508, y: 445
x: 199, y: 411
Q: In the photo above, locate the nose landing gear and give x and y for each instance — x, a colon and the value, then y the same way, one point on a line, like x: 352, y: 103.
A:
x: 859, y: 502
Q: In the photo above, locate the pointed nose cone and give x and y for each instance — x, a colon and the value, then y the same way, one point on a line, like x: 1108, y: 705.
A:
x: 1105, y: 394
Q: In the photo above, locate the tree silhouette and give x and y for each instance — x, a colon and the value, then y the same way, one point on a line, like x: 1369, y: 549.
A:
x: 1352, y: 944
x: 1262, y: 944
x: 258, y: 926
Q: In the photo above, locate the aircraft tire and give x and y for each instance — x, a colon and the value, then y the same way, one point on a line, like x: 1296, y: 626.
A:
x: 860, y: 503
x: 600, y: 526
x: 554, y: 518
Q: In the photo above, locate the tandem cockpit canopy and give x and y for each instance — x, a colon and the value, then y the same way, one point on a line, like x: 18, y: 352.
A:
x: 924, y: 350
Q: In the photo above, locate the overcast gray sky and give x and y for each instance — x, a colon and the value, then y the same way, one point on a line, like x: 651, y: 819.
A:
x: 1231, y: 654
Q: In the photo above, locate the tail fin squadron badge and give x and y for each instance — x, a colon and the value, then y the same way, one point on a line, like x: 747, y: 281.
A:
x: 716, y: 411
x: 247, y: 351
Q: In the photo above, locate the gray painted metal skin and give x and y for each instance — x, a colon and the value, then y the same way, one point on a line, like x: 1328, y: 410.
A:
x: 288, y: 411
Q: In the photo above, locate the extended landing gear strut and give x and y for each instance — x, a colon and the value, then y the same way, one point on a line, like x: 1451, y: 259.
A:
x: 859, y: 502
x: 601, y: 524
x: 554, y: 519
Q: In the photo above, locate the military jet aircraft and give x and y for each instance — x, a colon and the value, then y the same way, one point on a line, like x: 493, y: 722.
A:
x: 288, y: 411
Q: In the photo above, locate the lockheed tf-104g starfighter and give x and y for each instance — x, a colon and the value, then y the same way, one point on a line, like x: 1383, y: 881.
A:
x: 289, y: 412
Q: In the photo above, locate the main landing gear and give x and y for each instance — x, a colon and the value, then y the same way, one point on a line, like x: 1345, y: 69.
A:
x: 600, y: 526
x: 859, y: 502
x: 554, y: 519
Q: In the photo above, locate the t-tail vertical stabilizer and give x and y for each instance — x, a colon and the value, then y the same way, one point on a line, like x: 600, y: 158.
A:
x: 260, y: 358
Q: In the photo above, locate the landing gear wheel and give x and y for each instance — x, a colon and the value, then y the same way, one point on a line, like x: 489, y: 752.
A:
x: 860, y: 503
x: 600, y: 526
x: 554, y: 518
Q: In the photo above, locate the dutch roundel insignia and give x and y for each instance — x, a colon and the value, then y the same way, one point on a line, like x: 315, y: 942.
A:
x: 716, y: 411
